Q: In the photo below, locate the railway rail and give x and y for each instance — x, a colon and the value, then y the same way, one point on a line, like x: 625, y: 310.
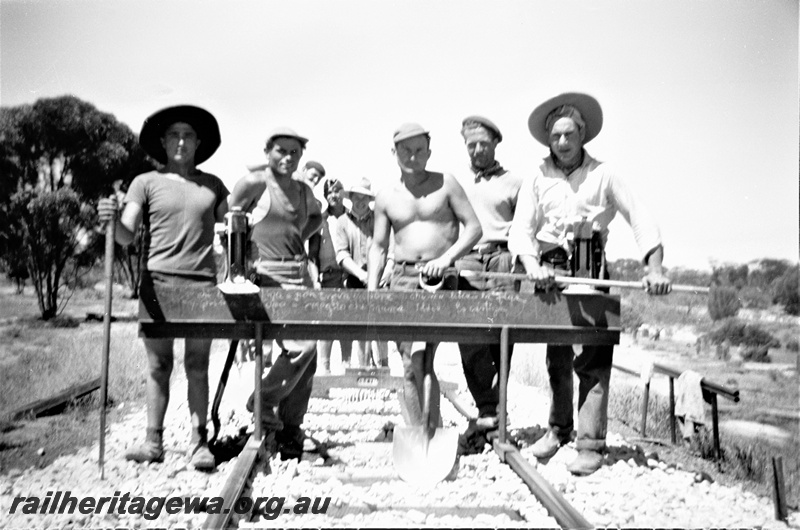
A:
x: 351, y: 480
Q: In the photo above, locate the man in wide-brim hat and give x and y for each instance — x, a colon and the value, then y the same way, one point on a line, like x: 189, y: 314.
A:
x: 204, y: 124
x: 571, y: 185
x: 182, y: 204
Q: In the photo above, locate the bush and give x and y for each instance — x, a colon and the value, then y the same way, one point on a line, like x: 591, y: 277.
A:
x: 793, y: 345
x: 723, y: 302
x: 741, y: 334
x: 755, y: 298
x: 787, y: 291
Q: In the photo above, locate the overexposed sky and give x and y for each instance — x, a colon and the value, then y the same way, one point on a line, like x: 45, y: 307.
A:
x: 700, y: 96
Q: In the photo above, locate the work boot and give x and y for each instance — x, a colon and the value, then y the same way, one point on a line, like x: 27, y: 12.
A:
x: 152, y: 450
x: 200, y: 455
x: 292, y: 442
x: 586, y: 463
x: 547, y: 446
x: 269, y: 419
x: 474, y: 439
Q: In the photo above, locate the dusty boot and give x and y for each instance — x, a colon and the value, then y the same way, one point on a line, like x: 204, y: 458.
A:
x: 548, y: 445
x: 586, y: 463
x: 292, y: 442
x: 152, y: 450
x: 200, y: 454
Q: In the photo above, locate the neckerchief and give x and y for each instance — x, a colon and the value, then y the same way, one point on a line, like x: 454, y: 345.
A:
x: 489, y: 172
x: 567, y: 170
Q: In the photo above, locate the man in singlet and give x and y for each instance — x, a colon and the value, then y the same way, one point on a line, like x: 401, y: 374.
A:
x: 284, y: 215
x: 424, y: 209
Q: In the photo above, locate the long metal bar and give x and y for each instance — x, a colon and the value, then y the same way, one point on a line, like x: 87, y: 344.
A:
x: 727, y: 393
x: 569, y: 280
x: 672, y: 433
x: 408, y: 332
x: 236, y: 482
x: 715, y: 425
x: 109, y: 277
x: 503, y: 380
x: 645, y: 399
x: 555, y: 503
x: 257, y: 405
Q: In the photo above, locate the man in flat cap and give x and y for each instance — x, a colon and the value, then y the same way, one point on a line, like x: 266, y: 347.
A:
x: 492, y: 191
x: 284, y: 215
x: 177, y: 206
x: 424, y: 209
x: 570, y: 185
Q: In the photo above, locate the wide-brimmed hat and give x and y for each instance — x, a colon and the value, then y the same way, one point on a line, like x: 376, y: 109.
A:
x: 364, y: 187
x: 203, y: 123
x: 286, y: 132
x: 408, y: 130
x: 587, y: 105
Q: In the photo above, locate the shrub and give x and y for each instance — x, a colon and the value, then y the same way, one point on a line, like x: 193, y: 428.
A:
x: 787, y: 293
x: 754, y: 298
x: 723, y: 302
x: 741, y: 334
x: 793, y: 345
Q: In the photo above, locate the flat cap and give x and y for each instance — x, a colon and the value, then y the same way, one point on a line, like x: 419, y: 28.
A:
x: 408, y: 130
x: 286, y: 132
x: 313, y: 164
x: 486, y: 122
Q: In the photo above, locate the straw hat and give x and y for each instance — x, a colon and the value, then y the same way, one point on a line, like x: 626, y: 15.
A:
x: 203, y: 123
x: 588, y: 106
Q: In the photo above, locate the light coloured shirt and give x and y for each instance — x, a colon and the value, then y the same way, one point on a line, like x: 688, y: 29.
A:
x: 353, y: 238
x: 550, y: 201
x: 494, y: 199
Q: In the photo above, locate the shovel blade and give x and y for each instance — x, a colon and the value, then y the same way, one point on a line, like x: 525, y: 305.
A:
x: 423, y: 461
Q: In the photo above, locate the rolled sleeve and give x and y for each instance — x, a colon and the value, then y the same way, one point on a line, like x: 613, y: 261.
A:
x: 522, y: 234
x: 645, y: 230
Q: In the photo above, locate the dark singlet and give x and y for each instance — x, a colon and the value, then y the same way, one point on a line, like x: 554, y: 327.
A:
x: 278, y: 235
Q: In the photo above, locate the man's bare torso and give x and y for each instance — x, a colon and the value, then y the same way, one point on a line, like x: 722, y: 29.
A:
x: 423, y: 222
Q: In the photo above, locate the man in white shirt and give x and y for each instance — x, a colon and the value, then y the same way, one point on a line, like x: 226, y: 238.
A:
x: 568, y: 186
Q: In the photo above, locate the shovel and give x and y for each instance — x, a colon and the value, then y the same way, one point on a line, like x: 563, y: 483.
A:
x: 423, y: 455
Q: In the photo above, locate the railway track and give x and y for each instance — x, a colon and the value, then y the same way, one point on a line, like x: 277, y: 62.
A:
x: 351, y: 480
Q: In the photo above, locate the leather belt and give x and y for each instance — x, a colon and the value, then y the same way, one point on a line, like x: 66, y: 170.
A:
x: 490, y: 248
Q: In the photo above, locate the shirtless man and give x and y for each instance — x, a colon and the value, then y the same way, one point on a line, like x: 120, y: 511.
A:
x: 424, y: 210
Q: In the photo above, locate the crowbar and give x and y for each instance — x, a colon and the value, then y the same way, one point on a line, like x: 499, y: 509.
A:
x: 569, y: 280
x: 109, y: 277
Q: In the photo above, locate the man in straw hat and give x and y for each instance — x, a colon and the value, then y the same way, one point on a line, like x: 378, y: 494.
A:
x: 424, y: 209
x: 179, y: 205
x: 285, y: 215
x: 492, y: 191
x: 352, y: 240
x: 570, y: 184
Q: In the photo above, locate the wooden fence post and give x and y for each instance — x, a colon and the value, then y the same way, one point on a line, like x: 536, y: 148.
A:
x: 779, y: 490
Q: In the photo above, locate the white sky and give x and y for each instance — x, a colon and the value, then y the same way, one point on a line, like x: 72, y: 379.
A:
x: 700, y: 96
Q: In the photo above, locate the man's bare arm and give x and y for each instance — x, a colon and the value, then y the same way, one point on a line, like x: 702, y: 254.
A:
x: 467, y: 237
x: 376, y: 260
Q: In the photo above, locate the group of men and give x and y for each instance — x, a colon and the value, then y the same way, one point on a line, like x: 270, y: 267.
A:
x: 425, y: 224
